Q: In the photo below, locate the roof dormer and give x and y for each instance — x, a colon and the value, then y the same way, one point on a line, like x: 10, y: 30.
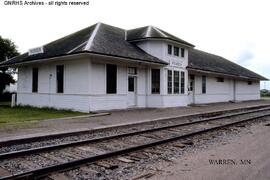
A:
x: 153, y: 33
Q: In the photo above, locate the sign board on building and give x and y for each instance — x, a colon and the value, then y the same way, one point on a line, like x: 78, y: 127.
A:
x: 37, y: 50
x: 176, y: 63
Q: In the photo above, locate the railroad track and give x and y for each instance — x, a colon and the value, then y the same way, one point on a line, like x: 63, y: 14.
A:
x: 41, y: 161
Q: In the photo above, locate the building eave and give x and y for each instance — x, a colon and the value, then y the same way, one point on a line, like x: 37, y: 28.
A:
x: 224, y: 74
x: 158, y: 38
x: 82, y: 53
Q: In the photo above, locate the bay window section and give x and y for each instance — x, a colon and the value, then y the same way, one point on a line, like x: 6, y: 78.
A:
x: 155, y: 77
x: 176, y: 82
x: 169, y: 81
x: 182, y: 82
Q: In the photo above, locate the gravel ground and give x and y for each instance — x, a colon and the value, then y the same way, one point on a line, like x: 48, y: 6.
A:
x: 128, y: 129
x: 175, y: 161
x: 250, y: 149
x: 117, y: 117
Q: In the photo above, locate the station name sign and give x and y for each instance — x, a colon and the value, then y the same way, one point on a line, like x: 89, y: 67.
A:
x: 176, y: 63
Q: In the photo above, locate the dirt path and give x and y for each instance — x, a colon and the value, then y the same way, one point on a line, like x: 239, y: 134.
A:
x: 247, y: 157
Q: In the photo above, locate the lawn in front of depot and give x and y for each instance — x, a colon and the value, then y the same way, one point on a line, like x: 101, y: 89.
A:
x: 25, y: 114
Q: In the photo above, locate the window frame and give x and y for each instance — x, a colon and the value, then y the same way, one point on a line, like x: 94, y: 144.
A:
x: 169, y: 81
x: 203, y: 84
x: 176, y: 82
x: 131, y: 86
x: 130, y: 69
x: 176, y: 51
x: 220, y: 79
x: 35, y: 72
x: 111, y: 87
x: 58, y: 89
x: 182, y: 52
x: 169, y: 49
x: 182, y: 82
x: 155, y: 81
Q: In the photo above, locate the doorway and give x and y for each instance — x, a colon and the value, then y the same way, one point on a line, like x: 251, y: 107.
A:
x: 132, y: 91
x: 191, y: 89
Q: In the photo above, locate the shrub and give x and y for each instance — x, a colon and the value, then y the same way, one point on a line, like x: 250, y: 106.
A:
x: 5, y: 97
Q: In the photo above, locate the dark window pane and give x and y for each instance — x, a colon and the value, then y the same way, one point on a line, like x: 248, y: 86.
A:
x: 182, y: 52
x: 111, y: 78
x: 169, y: 49
x: 176, y: 51
x: 182, y: 82
x: 131, y: 84
x: 132, y: 70
x: 155, y: 81
x: 35, y: 80
x: 176, y: 82
x: 249, y: 82
x: 60, y: 78
x: 219, y: 79
x: 169, y: 82
x: 191, y: 85
x: 203, y: 84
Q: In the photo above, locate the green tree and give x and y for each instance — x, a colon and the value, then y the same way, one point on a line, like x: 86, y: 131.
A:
x: 7, y: 50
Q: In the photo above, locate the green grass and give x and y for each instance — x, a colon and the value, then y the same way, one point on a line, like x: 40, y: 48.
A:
x: 5, y: 103
x: 265, y: 97
x: 26, y: 115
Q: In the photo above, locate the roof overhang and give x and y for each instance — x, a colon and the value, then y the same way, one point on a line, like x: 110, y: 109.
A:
x: 195, y: 70
x: 82, y: 55
x: 162, y: 39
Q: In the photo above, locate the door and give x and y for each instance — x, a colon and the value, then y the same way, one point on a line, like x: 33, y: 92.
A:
x: 191, y: 89
x: 132, y: 90
x: 234, y: 90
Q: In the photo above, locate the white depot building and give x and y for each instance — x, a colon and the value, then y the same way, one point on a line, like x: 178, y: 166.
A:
x: 103, y: 67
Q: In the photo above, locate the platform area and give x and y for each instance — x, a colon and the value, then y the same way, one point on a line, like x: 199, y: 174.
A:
x: 119, y: 117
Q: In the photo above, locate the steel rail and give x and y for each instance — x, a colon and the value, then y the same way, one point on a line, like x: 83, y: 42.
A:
x: 94, y: 140
x: 38, y: 173
x: 65, y: 134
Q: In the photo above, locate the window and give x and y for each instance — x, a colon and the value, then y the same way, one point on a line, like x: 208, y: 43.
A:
x: 176, y: 51
x: 169, y: 81
x: 203, y: 84
x: 182, y: 82
x: 220, y: 79
x: 182, y: 52
x: 169, y: 49
x: 111, y: 74
x: 35, y: 80
x: 176, y: 82
x: 155, y: 81
x: 249, y: 82
x: 131, y: 84
x: 132, y: 70
x: 60, y: 78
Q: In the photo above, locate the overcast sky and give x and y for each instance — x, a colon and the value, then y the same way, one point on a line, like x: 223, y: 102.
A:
x: 238, y: 30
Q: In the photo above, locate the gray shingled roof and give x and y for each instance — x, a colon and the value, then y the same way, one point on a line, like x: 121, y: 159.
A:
x: 112, y: 41
x: 151, y: 32
x: 209, y: 62
x: 105, y: 40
